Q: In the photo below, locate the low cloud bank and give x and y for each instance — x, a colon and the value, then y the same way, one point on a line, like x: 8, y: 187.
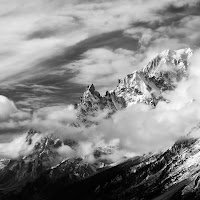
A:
x: 18, y: 147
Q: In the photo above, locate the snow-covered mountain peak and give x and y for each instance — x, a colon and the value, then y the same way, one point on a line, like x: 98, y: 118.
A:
x: 161, y: 73
x: 168, y: 61
x: 180, y: 53
x: 146, y: 85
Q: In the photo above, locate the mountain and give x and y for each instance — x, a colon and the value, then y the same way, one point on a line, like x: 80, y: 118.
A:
x: 170, y: 174
x: 160, y: 74
x: 142, y: 86
x: 92, y: 103
x: 44, y: 159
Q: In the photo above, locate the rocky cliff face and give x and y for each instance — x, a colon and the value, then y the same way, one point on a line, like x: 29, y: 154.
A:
x: 172, y: 174
x: 91, y: 104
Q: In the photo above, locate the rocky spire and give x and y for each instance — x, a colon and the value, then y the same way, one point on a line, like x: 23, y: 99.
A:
x: 91, y: 88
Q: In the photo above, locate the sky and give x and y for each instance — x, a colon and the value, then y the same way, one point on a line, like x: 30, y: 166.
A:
x: 51, y: 50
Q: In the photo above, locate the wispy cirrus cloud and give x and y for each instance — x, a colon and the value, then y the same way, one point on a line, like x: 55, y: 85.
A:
x: 35, y: 31
x: 103, y: 67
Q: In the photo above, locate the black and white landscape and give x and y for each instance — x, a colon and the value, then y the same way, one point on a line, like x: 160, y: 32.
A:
x: 100, y: 99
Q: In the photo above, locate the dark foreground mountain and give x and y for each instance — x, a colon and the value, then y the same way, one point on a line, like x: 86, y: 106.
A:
x: 170, y: 174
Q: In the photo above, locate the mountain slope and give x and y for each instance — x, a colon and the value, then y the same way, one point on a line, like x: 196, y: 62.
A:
x: 172, y: 174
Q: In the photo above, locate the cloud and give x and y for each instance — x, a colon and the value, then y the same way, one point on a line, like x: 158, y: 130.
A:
x: 141, y: 129
x: 11, y: 118
x: 45, y: 89
x: 142, y: 34
x: 103, y: 67
x: 56, y: 114
x: 18, y: 146
x: 7, y: 108
x: 152, y: 36
x: 49, y: 120
x: 54, y: 119
x: 27, y: 38
x: 34, y: 52
x: 66, y: 152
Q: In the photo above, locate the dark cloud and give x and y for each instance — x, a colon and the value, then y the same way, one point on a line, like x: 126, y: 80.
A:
x: 174, y: 9
x: 41, y: 34
x: 173, y: 13
x: 112, y: 40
